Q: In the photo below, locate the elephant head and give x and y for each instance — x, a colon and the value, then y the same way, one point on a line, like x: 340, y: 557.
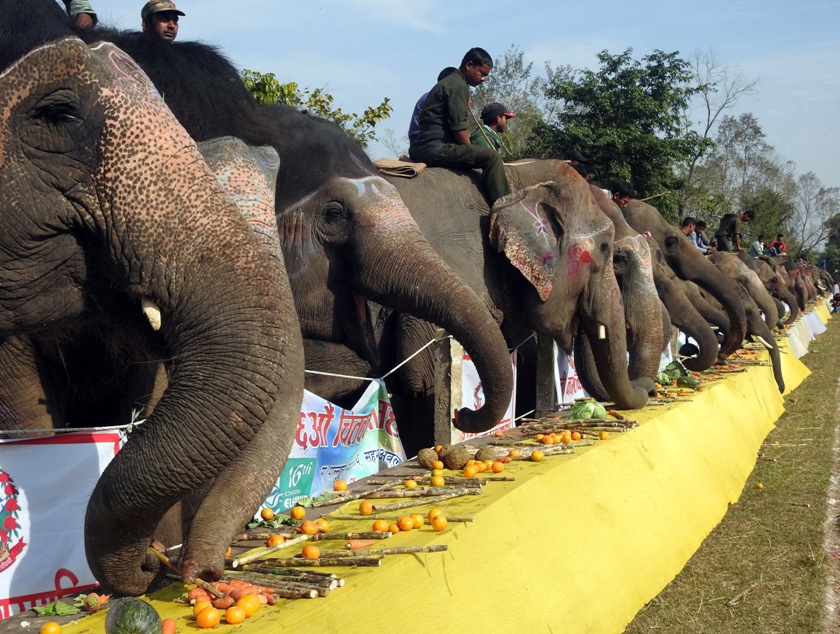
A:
x: 107, y: 207
x: 774, y: 284
x: 348, y: 239
x: 736, y: 269
x: 561, y: 242
x: 689, y: 264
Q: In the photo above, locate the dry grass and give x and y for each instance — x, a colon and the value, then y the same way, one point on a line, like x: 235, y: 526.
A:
x: 768, y: 567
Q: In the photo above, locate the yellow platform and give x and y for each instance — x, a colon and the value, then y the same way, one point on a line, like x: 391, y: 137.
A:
x: 576, y: 543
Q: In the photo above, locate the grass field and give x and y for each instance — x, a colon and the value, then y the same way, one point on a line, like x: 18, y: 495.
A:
x: 770, y: 565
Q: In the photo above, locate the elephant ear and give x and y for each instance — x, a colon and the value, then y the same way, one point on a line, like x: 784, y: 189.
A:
x: 522, y: 227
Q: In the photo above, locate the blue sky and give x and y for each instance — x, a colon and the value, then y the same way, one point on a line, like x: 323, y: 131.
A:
x: 363, y: 50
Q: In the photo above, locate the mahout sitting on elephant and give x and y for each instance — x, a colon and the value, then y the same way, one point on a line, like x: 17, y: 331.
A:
x: 107, y: 207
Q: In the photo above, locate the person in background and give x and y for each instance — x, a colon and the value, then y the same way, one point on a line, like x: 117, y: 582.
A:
x: 622, y: 193
x: 443, y: 140
x: 687, y: 226
x: 82, y: 13
x: 578, y: 161
x: 160, y: 19
x: 757, y: 247
x: 702, y: 241
x: 777, y: 247
x: 414, y: 125
x: 494, y: 121
x: 728, y: 233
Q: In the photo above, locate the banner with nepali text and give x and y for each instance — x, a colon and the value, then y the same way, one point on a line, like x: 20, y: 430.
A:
x: 472, y: 396
x: 45, y: 484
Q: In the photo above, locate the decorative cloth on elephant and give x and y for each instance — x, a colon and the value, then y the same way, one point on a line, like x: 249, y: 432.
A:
x: 395, y: 167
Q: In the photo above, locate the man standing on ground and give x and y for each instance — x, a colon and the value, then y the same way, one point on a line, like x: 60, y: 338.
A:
x: 494, y: 120
x: 443, y: 140
x: 728, y: 233
x: 160, y: 19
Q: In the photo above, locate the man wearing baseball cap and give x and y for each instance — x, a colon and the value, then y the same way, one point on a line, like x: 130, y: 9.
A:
x: 160, y: 19
x: 494, y: 120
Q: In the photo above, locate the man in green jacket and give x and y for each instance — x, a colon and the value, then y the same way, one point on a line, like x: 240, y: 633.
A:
x: 443, y: 139
x: 728, y: 233
x: 494, y: 121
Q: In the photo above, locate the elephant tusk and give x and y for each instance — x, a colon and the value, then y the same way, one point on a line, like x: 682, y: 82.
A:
x: 602, y: 332
x: 152, y: 312
x: 764, y: 342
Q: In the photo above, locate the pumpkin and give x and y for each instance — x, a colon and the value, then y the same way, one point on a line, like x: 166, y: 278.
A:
x: 132, y: 616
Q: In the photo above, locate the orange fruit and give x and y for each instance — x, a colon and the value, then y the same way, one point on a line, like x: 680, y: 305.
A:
x: 297, y: 512
x: 380, y: 526
x: 417, y: 520
x: 470, y: 471
x: 50, y: 627
x: 366, y: 507
x: 437, y: 464
x: 514, y: 453
x: 249, y: 603
x: 566, y: 439
x: 322, y: 524
x: 498, y: 467
x: 575, y: 435
x: 405, y: 522
x: 539, y: 437
x: 394, y: 528
x: 537, y: 455
x: 439, y: 522
x: 434, y: 512
x: 603, y: 435
x: 234, y: 614
x: 410, y: 484
x: 274, y: 540
x: 339, y: 485
x: 309, y: 527
x: 228, y: 552
x: 438, y: 472
x: 267, y: 514
x: 438, y: 481
x: 310, y: 551
x: 547, y: 440
x: 438, y: 448
x: 201, y: 605
x: 209, y: 617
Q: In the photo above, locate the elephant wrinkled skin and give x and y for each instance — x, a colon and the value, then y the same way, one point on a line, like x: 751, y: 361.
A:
x: 106, y: 205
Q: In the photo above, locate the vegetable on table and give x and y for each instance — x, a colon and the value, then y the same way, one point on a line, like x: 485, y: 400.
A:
x: 132, y: 616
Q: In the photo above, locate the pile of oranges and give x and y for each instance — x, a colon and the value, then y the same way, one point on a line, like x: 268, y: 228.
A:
x: 241, y: 600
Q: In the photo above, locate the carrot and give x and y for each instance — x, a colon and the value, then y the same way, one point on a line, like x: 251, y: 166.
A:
x: 92, y: 602
x: 198, y: 594
x: 169, y: 626
x: 224, y: 588
x: 241, y: 592
x: 264, y: 590
x: 263, y: 599
x: 223, y: 603
x: 270, y: 599
x: 238, y: 583
x: 355, y: 544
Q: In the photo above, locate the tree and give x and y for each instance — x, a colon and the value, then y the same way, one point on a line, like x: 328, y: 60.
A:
x: 268, y: 90
x: 628, y: 117
x: 511, y: 83
x: 814, y: 210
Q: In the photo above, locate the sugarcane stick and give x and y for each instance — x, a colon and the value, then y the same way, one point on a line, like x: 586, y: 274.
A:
x: 350, y: 496
x: 209, y: 588
x: 267, y: 569
x: 332, y: 561
x: 389, y: 518
x: 396, y: 550
x: 262, y: 552
x: 426, y: 492
x: 322, y: 587
x: 396, y: 506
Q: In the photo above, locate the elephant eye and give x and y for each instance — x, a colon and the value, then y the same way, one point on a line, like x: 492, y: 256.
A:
x: 335, y: 221
x: 61, y: 107
x: 671, y: 242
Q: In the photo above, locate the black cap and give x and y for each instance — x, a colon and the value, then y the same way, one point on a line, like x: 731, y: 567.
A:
x: 574, y: 155
x: 493, y: 110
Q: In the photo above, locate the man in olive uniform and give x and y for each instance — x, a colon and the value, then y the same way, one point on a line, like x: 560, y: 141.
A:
x: 160, y: 19
x: 728, y: 233
x: 84, y: 17
x: 494, y: 120
x: 443, y: 140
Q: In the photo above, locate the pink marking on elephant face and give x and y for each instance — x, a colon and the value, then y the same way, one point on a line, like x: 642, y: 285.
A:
x: 578, y: 256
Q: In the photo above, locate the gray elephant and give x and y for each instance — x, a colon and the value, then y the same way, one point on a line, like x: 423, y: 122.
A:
x: 109, y: 212
x: 541, y: 260
x: 775, y: 285
x: 736, y: 269
x: 689, y: 264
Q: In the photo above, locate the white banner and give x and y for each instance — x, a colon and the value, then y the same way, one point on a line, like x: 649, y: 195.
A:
x: 45, y: 485
x: 472, y: 396
x: 567, y: 385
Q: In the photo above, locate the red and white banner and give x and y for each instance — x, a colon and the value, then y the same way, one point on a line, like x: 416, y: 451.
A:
x: 472, y: 396
x: 45, y: 484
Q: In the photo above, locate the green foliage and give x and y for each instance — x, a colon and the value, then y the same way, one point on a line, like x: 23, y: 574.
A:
x: 628, y: 117
x: 267, y: 89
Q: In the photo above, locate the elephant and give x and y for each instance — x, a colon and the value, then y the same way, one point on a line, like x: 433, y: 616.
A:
x: 541, y: 259
x: 118, y: 250
x: 736, y: 269
x: 775, y: 285
x: 346, y: 236
x: 689, y: 264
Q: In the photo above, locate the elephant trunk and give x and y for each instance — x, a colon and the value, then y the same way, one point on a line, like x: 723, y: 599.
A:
x: 603, y: 325
x: 787, y: 297
x: 236, y: 375
x: 686, y: 317
x: 424, y: 286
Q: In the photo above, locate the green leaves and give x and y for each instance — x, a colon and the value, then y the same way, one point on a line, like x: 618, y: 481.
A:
x: 268, y: 90
x: 57, y: 608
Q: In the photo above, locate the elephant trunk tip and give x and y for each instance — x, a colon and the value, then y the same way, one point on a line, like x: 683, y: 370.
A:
x: 471, y: 421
